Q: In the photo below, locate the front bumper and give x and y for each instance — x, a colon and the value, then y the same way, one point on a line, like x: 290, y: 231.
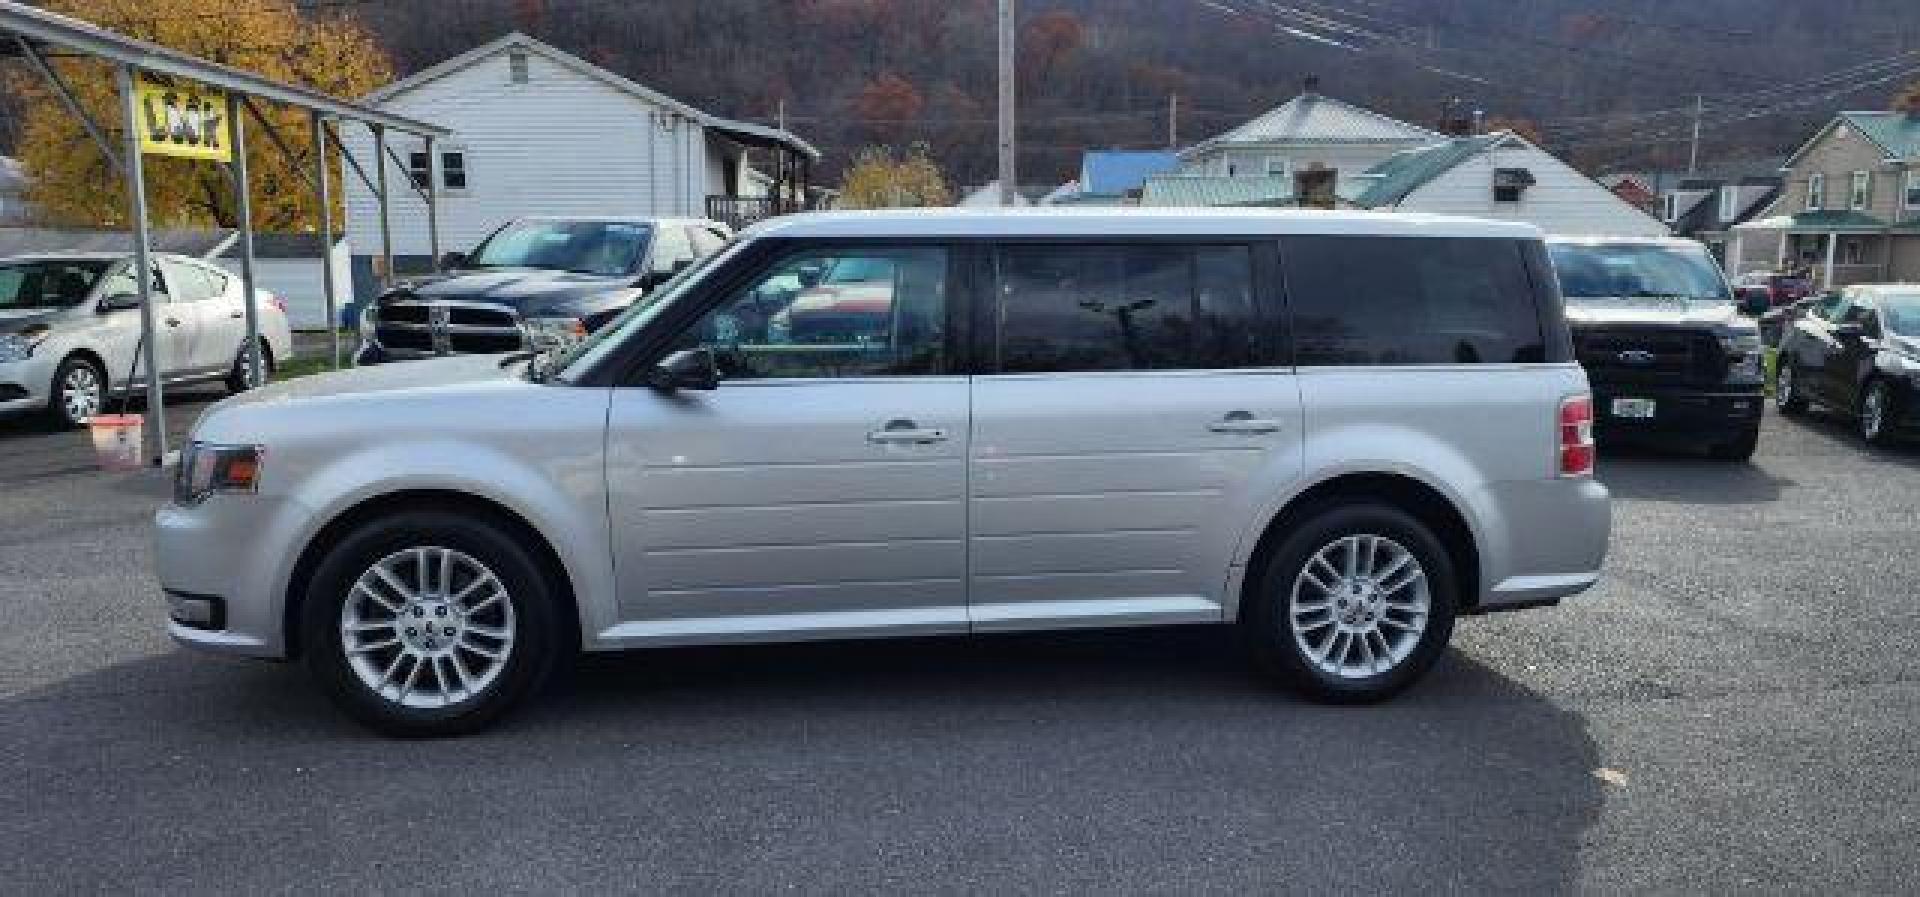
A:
x: 24, y: 385
x: 1679, y: 411
x: 222, y: 565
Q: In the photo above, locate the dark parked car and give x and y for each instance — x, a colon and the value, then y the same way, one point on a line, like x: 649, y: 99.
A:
x: 1670, y: 357
x: 1857, y: 353
x: 1774, y: 323
x: 534, y: 283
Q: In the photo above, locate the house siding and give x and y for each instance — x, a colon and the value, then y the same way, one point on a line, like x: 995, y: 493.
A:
x: 1349, y: 159
x: 1904, y: 266
x: 562, y: 143
x: 1561, y: 201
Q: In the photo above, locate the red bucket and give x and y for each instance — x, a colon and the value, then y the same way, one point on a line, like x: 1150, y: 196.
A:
x: 116, y: 440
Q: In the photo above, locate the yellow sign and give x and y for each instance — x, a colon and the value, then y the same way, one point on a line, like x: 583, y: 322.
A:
x: 187, y: 122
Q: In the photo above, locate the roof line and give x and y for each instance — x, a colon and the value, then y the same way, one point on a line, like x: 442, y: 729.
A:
x: 563, y: 58
x: 51, y: 28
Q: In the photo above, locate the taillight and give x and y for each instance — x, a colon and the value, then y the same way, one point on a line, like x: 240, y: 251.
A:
x: 1576, y: 436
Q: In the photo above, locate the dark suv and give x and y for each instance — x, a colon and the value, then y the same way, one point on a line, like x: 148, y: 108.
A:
x: 534, y: 283
x: 1670, y: 357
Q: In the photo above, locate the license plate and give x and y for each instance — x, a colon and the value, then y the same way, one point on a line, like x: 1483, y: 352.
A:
x: 1635, y: 408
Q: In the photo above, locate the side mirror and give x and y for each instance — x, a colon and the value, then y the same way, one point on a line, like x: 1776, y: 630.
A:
x: 811, y: 277
x: 453, y: 260
x: 685, y: 369
x: 119, y: 302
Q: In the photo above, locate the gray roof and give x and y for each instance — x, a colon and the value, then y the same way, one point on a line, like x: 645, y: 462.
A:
x: 57, y: 240
x: 1315, y: 118
x: 1193, y: 191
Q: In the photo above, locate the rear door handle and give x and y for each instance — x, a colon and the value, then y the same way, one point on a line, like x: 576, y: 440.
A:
x: 906, y: 432
x: 1241, y: 422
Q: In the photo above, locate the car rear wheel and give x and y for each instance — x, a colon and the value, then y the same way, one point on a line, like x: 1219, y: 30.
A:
x: 429, y: 624
x: 79, y: 391
x: 1356, y: 604
x: 1786, y: 388
x: 1877, y: 409
x: 240, y: 377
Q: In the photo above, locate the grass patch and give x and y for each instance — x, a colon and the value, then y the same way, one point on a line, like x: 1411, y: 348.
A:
x: 1769, y: 358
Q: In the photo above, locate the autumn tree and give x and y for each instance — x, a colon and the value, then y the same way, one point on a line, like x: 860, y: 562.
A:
x: 881, y: 179
x: 1908, y: 99
x: 71, y: 183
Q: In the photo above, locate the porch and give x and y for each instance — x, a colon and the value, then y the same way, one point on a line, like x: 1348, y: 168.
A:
x: 1837, y: 249
x: 753, y: 195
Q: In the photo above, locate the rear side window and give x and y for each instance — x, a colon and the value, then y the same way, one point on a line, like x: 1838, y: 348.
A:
x: 1065, y: 308
x: 1411, y: 300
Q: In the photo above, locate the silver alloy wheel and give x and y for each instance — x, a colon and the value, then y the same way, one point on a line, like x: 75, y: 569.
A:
x: 1783, y: 385
x: 1359, y: 606
x: 427, y: 627
x: 1873, y: 412
x: 80, y: 393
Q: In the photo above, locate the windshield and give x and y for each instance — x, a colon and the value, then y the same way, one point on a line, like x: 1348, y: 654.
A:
x: 1637, y: 270
x: 584, y: 247
x: 1901, y: 314
x: 633, y: 318
x: 61, y: 284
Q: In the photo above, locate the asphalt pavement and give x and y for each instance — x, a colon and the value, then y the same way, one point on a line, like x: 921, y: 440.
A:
x: 1734, y: 708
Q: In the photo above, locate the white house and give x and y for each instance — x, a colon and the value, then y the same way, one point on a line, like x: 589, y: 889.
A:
x: 1313, y: 141
x: 539, y: 131
x: 288, y: 265
x: 1501, y: 175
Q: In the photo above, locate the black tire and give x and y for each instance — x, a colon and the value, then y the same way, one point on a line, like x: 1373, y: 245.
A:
x: 536, y: 632
x: 1879, y: 430
x: 239, y: 376
x: 1788, y: 396
x: 1280, y: 653
x: 1739, y: 448
x: 66, y: 414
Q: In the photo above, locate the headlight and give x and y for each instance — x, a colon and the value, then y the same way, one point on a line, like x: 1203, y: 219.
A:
x: 20, y: 346
x: 205, y: 469
x: 555, y: 333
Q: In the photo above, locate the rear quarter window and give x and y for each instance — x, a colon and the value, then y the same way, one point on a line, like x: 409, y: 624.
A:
x: 1358, y: 300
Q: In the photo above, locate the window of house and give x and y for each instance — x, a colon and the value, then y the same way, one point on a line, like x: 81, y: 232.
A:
x: 1411, y: 300
x: 1277, y: 166
x: 517, y: 68
x: 1860, y: 190
x: 840, y: 313
x: 453, y: 169
x: 1125, y: 307
x: 1816, y: 192
x: 1729, y: 203
x: 1913, y: 190
x: 1669, y: 207
x: 1853, y: 252
x: 420, y: 168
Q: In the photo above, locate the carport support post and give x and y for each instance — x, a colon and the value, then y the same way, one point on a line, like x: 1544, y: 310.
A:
x: 1826, y: 275
x: 143, y: 265
x: 326, y: 233
x: 243, y: 198
x: 386, y: 221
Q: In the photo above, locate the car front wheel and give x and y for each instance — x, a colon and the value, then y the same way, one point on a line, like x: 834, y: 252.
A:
x: 429, y: 624
x: 79, y: 392
x: 1354, y: 605
x: 240, y: 377
x: 1786, y: 388
x: 1877, y: 410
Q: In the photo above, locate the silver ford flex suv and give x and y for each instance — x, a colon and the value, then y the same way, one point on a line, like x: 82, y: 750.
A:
x: 1338, y: 432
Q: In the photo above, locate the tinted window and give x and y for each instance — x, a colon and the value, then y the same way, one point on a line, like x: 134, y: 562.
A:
x: 792, y: 321
x: 1108, y: 308
x: 190, y: 283
x: 50, y: 284
x: 1410, y: 300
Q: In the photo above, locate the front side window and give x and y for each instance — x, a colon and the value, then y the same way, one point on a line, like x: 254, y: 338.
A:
x: 583, y: 247
x: 121, y: 282
x: 1411, y: 300
x: 1860, y: 190
x: 1119, y: 308
x: 845, y: 313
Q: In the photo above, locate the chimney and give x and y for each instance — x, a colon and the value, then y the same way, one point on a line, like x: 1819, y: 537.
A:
x: 1312, y: 84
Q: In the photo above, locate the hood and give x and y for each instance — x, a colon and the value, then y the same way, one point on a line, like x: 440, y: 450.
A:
x: 530, y: 290
x: 1679, y: 312
x: 421, y: 376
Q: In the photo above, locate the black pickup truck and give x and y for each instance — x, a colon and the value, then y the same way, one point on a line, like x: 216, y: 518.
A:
x: 1670, y: 357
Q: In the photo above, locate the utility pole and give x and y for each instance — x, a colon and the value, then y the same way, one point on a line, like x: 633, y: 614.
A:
x: 1007, y: 178
x: 1693, y: 151
x: 1173, y: 120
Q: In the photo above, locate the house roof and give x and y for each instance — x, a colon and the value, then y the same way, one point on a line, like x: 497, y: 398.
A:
x: 1197, y: 191
x: 1825, y: 221
x: 16, y: 241
x: 1408, y: 170
x: 1897, y: 134
x: 1114, y: 172
x: 747, y: 132
x: 1317, y: 118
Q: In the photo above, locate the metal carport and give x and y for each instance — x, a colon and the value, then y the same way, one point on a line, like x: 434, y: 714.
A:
x: 31, y: 33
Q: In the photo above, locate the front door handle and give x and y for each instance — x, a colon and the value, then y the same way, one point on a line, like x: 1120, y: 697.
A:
x: 236, y: 314
x: 906, y: 432
x: 1242, y: 422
